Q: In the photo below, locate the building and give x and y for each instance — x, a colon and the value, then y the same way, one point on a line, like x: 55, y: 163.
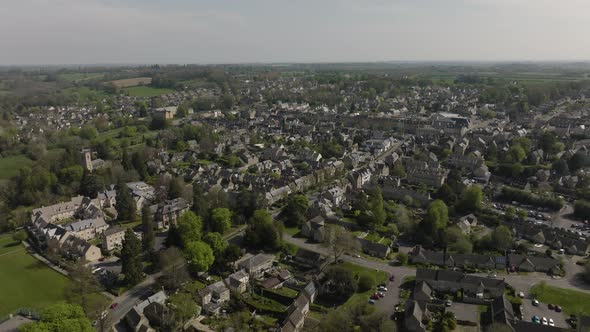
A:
x: 113, y: 238
x: 167, y: 213
x: 255, y: 266
x: 87, y: 229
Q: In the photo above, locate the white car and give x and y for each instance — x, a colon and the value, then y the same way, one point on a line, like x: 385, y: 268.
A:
x: 551, y: 322
x: 382, y: 289
x: 544, y: 321
x: 521, y: 295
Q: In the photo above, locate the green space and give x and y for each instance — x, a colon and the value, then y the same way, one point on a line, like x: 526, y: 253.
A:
x: 85, y: 93
x: 147, y: 91
x: 26, y: 282
x: 572, y: 301
x: 291, y: 230
x: 10, y: 166
x: 73, y: 77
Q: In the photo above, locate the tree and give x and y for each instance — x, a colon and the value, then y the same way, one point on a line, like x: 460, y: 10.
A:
x: 261, y: 232
x: 445, y: 322
x: 295, y: 210
x: 339, y: 241
x: 199, y: 256
x: 189, y: 228
x: 402, y: 219
x: 515, y: 154
x: 126, y: 160
x: 216, y: 242
x: 19, y: 236
x: 502, y: 238
x: 510, y: 212
x: 131, y: 258
x: 220, y: 220
x: 60, y: 317
x: 471, y: 199
x: 183, y: 307
x: 147, y: 221
x: 175, y: 188
x: 82, y: 290
x: 139, y: 161
x: 174, y: 268
x: 376, y: 204
x: 91, y: 184
x: 402, y: 258
x: 446, y: 194
x: 200, y: 203
x: 125, y: 206
x: 366, y: 282
x: 339, y: 282
x: 456, y: 241
x: 437, y: 218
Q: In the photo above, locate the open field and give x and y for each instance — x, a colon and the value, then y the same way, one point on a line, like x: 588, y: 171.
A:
x: 10, y: 166
x: 129, y: 82
x: 74, y: 77
x: 24, y: 281
x: 147, y: 91
x: 572, y: 302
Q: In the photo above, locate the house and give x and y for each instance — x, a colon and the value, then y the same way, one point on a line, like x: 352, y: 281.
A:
x: 255, y: 266
x: 416, y: 316
x: 136, y: 318
x: 213, y: 296
x: 466, y: 223
x: 473, y: 288
x: 277, y: 280
x: 534, y: 264
x: 308, y: 258
x: 168, y: 212
x: 87, y: 229
x: 75, y: 247
x: 314, y: 229
x: 374, y: 249
x: 113, y: 238
x: 238, y: 281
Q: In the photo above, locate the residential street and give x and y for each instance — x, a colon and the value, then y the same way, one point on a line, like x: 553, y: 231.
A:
x: 126, y: 301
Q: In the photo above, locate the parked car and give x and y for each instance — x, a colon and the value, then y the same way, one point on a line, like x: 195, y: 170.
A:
x: 381, y: 294
x: 521, y: 295
x: 114, y: 305
x: 371, y: 301
x: 536, y: 319
x: 551, y: 322
x: 448, y: 303
x: 375, y: 296
x: 544, y: 321
x: 550, y: 306
x: 391, y: 278
x: 557, y: 308
x: 382, y: 288
x: 535, y: 302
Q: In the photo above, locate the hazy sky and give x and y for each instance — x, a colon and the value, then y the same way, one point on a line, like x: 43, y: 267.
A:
x: 224, y: 31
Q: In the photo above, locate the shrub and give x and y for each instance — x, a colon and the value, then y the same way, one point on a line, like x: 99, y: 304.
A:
x: 366, y: 282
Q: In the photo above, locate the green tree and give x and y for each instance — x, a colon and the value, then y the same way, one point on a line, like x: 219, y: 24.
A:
x: 376, y: 204
x: 261, y: 232
x: 175, y: 188
x: 126, y: 160
x: 216, y: 242
x: 125, y: 205
x: 446, y: 194
x: 510, y: 212
x: 189, y: 228
x: 456, y: 241
x: 502, y: 238
x: 338, y: 282
x: 84, y: 289
x: 437, y: 218
x: 220, y: 220
x: 173, y: 266
x: 471, y: 199
x: 91, y: 184
x: 200, y: 202
x: 131, y: 265
x: 19, y: 236
x: 402, y: 258
x: 60, y: 317
x: 294, y: 212
x: 199, y: 256
x: 183, y: 308
x: 366, y: 282
x: 147, y: 222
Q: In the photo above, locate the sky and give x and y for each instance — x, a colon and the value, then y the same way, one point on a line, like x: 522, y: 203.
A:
x: 262, y: 31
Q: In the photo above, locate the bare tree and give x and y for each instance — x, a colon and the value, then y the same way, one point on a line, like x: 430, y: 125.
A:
x: 339, y: 241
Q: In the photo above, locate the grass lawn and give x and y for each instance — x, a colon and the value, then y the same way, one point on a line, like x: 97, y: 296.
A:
x: 291, y: 230
x: 72, y: 77
x: 26, y: 282
x: 10, y: 166
x: 572, y: 302
x: 147, y: 91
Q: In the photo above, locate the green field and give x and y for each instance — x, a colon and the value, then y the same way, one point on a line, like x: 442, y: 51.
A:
x: 572, y: 301
x: 73, y: 77
x: 10, y: 166
x: 147, y: 91
x: 26, y: 282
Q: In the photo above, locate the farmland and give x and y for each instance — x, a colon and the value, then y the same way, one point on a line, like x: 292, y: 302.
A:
x: 147, y: 91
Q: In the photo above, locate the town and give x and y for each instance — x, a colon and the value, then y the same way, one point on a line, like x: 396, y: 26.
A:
x: 304, y: 198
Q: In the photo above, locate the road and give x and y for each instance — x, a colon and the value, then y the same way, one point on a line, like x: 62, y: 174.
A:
x: 521, y: 282
x: 130, y: 298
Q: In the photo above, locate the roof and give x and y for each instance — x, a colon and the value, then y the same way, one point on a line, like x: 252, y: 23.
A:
x: 113, y: 230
